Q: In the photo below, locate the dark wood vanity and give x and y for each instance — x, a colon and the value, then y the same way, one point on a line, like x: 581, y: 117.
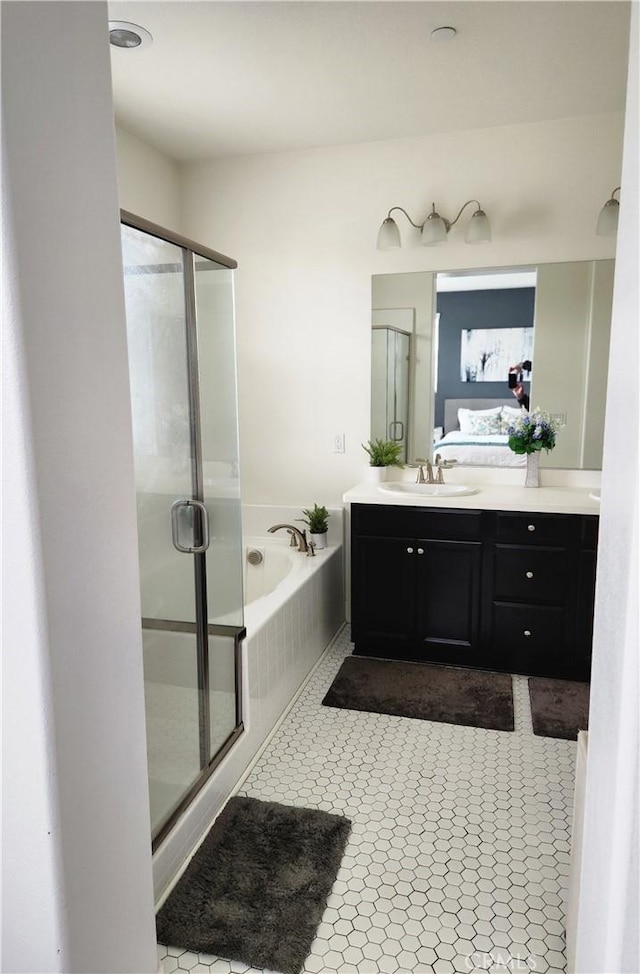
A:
x: 503, y: 590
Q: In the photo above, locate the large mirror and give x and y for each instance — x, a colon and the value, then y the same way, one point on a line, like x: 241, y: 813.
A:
x: 444, y: 342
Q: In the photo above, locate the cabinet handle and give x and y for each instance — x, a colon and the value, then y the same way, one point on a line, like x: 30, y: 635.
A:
x: 531, y: 527
x: 409, y: 551
x: 529, y: 574
x: 527, y: 632
x: 421, y: 551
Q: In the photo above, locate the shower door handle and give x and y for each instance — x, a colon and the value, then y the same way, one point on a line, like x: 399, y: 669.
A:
x: 175, y: 531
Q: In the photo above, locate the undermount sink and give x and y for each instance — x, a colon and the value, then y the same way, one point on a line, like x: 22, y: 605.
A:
x: 428, y: 490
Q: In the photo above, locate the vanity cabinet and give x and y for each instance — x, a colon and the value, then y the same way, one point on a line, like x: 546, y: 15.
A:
x: 501, y: 590
x: 403, y: 563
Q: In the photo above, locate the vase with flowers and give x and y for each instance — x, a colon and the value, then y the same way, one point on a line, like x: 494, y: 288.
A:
x: 529, y: 434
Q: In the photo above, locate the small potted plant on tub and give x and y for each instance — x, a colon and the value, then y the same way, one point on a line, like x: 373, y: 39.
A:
x: 316, y: 518
x: 382, y: 454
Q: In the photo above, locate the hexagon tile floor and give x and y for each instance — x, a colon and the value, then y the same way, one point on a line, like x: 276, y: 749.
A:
x: 459, y: 851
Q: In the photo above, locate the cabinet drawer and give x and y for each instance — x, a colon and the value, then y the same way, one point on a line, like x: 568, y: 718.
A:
x: 528, y: 631
x: 416, y: 522
x: 530, y: 573
x: 522, y: 528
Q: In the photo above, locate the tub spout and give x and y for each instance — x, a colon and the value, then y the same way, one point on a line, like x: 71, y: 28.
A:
x: 300, y: 535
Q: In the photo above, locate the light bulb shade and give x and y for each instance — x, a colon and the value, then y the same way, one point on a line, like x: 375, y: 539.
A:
x: 434, y: 230
x: 607, y: 225
x: 388, y: 235
x: 478, y: 230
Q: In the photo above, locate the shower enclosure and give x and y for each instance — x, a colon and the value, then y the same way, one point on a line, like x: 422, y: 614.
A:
x: 390, y: 364
x: 181, y: 342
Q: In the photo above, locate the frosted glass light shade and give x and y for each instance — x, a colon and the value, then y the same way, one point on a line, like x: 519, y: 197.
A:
x: 434, y: 230
x: 478, y: 230
x: 388, y: 235
x: 607, y: 225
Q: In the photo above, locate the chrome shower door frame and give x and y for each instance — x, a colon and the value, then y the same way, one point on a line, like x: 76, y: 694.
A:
x: 201, y: 628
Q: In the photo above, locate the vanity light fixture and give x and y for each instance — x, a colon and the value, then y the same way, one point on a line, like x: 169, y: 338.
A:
x: 128, y: 36
x: 607, y: 225
x: 435, y: 228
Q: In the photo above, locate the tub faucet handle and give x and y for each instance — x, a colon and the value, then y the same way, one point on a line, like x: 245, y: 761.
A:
x: 301, y: 536
x: 293, y: 541
x: 311, y: 553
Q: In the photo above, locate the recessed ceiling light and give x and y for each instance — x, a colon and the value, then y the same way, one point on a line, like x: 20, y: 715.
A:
x: 129, y: 36
x: 443, y: 34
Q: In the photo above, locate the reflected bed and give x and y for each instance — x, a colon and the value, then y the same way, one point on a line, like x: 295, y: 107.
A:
x: 475, y: 433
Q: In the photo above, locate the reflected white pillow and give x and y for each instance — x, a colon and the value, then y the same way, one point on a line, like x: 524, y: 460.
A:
x: 509, y: 415
x: 480, y: 422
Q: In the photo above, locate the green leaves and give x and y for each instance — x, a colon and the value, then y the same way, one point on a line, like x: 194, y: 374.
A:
x: 316, y: 519
x: 383, y: 453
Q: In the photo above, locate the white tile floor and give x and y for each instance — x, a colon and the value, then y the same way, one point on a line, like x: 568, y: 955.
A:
x: 459, y: 851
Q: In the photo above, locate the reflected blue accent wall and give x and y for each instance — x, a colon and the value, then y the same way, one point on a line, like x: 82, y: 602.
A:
x: 500, y: 308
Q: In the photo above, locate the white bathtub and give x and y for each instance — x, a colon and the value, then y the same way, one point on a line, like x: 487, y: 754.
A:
x: 294, y: 606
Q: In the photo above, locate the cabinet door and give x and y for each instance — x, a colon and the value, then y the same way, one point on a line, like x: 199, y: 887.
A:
x: 383, y: 587
x: 448, y: 596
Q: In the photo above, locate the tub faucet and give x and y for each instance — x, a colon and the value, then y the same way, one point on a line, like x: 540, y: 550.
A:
x: 300, y: 535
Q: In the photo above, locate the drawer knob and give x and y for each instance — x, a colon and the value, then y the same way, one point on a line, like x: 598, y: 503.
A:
x: 531, y: 527
x: 409, y: 551
x: 529, y: 574
x: 527, y: 632
x: 421, y: 551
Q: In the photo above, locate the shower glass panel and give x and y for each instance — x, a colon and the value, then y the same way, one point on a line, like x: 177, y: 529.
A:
x: 390, y: 361
x: 180, y: 333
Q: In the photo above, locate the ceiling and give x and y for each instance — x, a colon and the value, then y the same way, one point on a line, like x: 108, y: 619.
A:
x: 237, y: 77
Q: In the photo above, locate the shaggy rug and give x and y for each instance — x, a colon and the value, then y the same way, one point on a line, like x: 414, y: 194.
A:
x: 559, y: 708
x: 449, y: 694
x: 257, y: 887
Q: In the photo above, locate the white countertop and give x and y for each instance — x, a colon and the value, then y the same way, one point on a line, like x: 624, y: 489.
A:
x: 556, y: 498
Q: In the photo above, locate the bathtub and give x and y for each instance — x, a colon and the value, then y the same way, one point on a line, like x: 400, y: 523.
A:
x: 294, y: 606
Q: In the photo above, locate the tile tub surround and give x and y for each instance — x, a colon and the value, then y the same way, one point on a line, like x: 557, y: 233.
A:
x: 287, y: 633
x: 459, y: 853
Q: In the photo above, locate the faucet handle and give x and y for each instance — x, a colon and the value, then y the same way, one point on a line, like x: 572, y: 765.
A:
x: 293, y: 541
x: 311, y: 549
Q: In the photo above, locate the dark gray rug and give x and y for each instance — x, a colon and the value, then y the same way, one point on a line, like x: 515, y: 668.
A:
x: 559, y: 708
x: 257, y: 887
x: 449, y: 694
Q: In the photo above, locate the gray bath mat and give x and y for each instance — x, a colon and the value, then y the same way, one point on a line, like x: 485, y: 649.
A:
x: 449, y: 694
x: 257, y: 887
x: 559, y: 708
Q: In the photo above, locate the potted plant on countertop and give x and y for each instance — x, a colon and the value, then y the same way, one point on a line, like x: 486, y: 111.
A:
x: 316, y: 518
x: 530, y: 434
x: 382, y: 454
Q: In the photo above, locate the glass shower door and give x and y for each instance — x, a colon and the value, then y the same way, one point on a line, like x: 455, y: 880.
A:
x: 189, y: 536
x: 390, y: 360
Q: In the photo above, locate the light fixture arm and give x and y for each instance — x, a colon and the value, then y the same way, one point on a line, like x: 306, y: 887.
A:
x: 418, y: 226
x: 460, y: 211
x: 616, y: 190
x: 448, y: 224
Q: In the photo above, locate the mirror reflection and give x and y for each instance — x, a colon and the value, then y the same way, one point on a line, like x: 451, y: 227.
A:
x: 454, y: 354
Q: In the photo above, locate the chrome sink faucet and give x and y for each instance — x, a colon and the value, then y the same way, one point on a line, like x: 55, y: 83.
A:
x: 300, y: 535
x: 422, y: 478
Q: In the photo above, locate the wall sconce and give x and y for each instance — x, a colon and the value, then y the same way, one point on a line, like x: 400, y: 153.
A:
x: 607, y: 225
x: 435, y: 228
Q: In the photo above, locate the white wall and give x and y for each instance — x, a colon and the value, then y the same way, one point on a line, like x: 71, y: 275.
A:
x: 148, y: 181
x: 608, y: 930
x: 303, y: 228
x: 77, y: 879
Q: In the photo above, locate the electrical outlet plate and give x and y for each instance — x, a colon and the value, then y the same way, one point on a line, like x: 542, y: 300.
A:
x: 338, y: 443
